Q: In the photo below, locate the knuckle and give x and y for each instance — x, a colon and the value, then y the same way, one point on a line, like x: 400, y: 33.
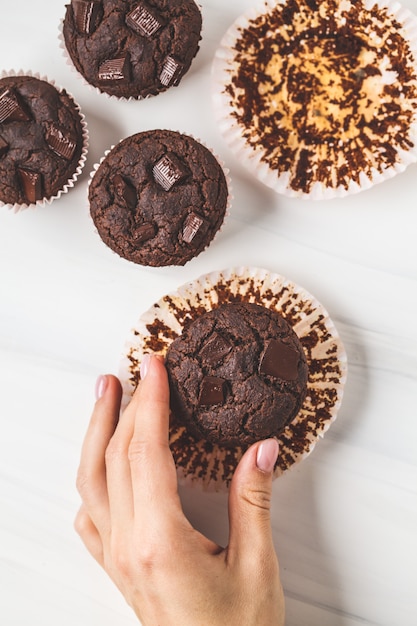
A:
x: 148, y: 558
x: 138, y: 561
x: 113, y: 451
x: 137, y: 451
x: 81, y: 522
x: 83, y: 481
x: 257, y: 497
x: 121, y: 563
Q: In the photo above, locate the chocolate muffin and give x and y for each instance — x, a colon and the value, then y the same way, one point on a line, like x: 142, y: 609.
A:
x: 131, y: 48
x: 237, y: 374
x: 42, y: 140
x: 158, y: 198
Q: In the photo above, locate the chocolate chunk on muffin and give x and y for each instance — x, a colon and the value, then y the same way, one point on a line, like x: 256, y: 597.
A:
x: 237, y: 373
x: 158, y: 198
x: 132, y: 48
x: 42, y: 140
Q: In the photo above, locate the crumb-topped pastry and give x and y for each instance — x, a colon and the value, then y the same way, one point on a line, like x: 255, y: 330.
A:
x: 42, y: 140
x: 323, y: 93
x: 237, y: 374
x: 132, y: 48
x: 158, y: 198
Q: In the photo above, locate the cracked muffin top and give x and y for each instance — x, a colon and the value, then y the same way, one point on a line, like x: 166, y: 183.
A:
x: 42, y: 140
x: 237, y: 373
x: 158, y: 198
x: 132, y: 49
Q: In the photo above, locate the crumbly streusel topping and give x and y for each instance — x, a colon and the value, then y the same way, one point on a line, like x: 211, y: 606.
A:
x: 325, y: 90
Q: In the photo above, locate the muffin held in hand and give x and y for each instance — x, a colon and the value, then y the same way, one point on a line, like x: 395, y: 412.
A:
x: 158, y: 198
x: 237, y: 374
x: 132, y: 49
x: 43, y: 140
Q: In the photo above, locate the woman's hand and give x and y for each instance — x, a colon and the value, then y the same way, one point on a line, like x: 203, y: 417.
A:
x: 132, y: 522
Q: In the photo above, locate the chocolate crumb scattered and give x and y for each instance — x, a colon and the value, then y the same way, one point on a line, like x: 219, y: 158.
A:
x: 325, y: 91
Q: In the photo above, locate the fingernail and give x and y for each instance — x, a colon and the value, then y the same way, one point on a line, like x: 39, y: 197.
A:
x: 144, y: 365
x: 101, y: 386
x: 267, y: 455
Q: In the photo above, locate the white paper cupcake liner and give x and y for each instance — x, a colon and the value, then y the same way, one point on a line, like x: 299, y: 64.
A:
x: 221, y: 163
x: 83, y: 157
x: 387, y: 23
x: 212, y: 466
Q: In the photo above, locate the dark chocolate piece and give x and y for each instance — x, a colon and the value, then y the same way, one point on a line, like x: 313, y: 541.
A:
x: 12, y: 108
x: 31, y: 183
x: 192, y: 225
x: 216, y: 348
x: 212, y: 391
x: 168, y: 171
x: 50, y: 141
x: 144, y: 21
x: 115, y: 70
x: 149, y: 31
x: 4, y: 146
x: 86, y: 15
x: 58, y: 142
x: 228, y: 400
x: 125, y: 191
x: 280, y: 361
x: 144, y: 232
x: 171, y: 71
x: 160, y: 210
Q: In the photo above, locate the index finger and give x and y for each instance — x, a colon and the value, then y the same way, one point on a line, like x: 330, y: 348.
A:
x: 154, y: 478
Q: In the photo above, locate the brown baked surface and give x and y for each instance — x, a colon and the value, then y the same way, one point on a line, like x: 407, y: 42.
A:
x: 237, y: 374
x: 132, y: 49
x: 158, y: 198
x: 41, y: 139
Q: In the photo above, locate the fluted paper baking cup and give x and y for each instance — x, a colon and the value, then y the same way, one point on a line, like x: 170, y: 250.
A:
x: 319, y: 99
x: 212, y: 466
x: 76, y: 170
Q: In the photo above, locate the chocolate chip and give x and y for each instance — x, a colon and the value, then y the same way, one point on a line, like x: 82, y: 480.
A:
x: 168, y: 171
x: 4, y: 146
x: 171, y: 71
x: 212, y: 391
x: 61, y: 144
x: 216, y: 348
x: 12, y: 108
x: 193, y: 224
x: 115, y: 70
x: 280, y: 361
x: 86, y: 15
x: 144, y: 232
x: 125, y: 191
x: 144, y: 21
x: 32, y: 184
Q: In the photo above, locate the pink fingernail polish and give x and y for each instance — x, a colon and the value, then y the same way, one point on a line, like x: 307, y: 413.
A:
x: 267, y: 455
x: 101, y: 386
x: 144, y: 365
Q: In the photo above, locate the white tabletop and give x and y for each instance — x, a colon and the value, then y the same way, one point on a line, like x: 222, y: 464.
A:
x: 344, y: 519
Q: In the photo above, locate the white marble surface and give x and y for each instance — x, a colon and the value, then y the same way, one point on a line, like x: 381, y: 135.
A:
x: 345, y: 519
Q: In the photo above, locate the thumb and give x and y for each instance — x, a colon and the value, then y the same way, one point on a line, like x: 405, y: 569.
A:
x: 250, y: 501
